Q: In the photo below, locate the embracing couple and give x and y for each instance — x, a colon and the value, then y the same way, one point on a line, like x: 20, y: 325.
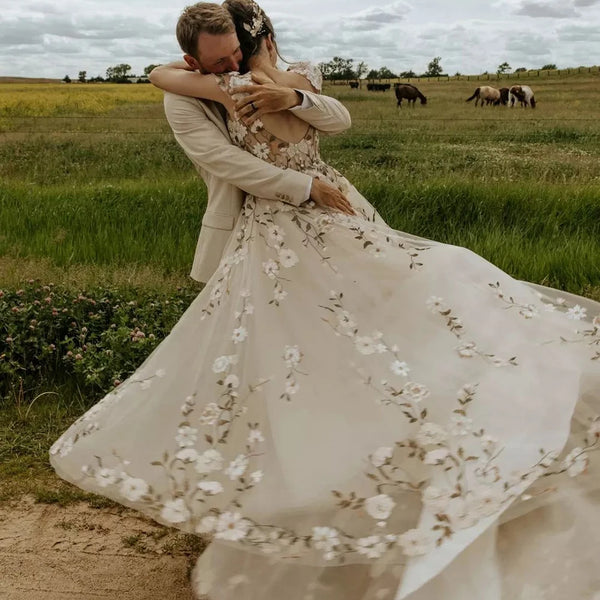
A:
x: 347, y: 411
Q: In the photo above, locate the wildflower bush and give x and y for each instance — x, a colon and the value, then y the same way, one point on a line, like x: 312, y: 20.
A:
x: 94, y: 339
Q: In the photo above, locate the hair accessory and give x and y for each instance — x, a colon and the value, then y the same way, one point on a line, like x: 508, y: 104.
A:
x: 256, y: 26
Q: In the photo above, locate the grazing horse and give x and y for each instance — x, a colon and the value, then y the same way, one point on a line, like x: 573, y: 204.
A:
x: 408, y: 92
x: 522, y: 93
x: 486, y: 93
x: 354, y: 85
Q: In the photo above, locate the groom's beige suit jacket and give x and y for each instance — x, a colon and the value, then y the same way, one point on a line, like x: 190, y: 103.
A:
x: 228, y: 171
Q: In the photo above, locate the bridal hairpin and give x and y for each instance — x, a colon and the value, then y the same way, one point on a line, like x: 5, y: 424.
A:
x: 255, y: 27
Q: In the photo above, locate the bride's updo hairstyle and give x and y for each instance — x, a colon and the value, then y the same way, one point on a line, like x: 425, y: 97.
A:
x: 251, y: 25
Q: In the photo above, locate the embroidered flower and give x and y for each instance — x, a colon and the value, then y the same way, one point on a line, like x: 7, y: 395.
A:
x: 399, y: 368
x: 576, y: 313
x: 187, y: 455
x: 271, y: 268
x: 186, y: 436
x: 207, y: 525
x: 365, y: 345
x: 261, y: 150
x: 210, y: 414
x: 133, y: 489
x: 237, y: 467
x: 105, y: 477
x: 379, y: 507
x: 576, y: 462
x: 415, y: 391
x: 431, y: 433
x: 210, y: 488
x: 467, y: 349
x: 415, y: 542
x: 231, y: 526
x: 437, y: 456
x: 346, y: 320
x: 292, y: 356
x: 325, y: 538
x: 381, y: 456
x: 239, y: 335
x: 210, y: 460
x: 175, y: 511
x: 371, y: 546
x: 255, y: 435
x: 288, y: 258
x: 436, y: 304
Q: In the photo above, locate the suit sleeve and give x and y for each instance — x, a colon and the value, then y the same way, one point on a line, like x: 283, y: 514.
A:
x: 209, y: 149
x: 326, y: 114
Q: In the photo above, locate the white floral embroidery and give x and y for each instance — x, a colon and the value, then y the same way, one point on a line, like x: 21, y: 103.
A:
x: 380, y: 507
x: 210, y: 460
x: 175, y: 511
x: 134, y: 488
x: 381, y: 456
x: 231, y: 526
x: 211, y: 488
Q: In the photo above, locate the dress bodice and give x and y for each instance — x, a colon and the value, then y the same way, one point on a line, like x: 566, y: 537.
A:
x: 302, y: 155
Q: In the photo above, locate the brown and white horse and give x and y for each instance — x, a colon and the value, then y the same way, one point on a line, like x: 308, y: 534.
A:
x: 487, y: 94
x: 522, y: 93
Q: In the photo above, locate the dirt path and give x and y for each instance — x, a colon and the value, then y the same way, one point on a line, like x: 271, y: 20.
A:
x: 54, y: 553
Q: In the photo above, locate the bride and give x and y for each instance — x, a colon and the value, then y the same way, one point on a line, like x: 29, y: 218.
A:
x: 351, y: 412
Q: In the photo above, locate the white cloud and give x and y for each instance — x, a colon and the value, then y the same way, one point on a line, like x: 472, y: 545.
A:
x: 39, y: 38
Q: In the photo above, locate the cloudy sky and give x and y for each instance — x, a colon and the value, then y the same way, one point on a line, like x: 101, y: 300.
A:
x: 39, y: 38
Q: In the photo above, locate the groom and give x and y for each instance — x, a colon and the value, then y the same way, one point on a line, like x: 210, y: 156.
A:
x: 206, y: 34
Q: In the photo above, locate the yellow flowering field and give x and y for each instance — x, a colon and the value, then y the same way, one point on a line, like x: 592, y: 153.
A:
x: 49, y: 99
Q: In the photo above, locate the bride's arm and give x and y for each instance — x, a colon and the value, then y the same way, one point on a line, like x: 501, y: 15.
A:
x: 178, y: 78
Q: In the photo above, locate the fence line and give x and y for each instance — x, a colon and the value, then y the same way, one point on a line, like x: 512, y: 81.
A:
x: 482, y: 77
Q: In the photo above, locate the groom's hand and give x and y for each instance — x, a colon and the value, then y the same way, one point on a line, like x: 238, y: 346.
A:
x: 264, y: 97
x: 325, y: 195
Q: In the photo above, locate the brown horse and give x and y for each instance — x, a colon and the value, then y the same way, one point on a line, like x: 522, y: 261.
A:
x: 408, y: 92
x: 486, y: 93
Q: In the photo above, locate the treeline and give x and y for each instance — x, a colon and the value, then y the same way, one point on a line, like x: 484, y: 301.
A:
x: 117, y: 74
x: 345, y: 69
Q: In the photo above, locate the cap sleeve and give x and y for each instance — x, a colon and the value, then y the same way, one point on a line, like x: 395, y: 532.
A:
x: 310, y: 71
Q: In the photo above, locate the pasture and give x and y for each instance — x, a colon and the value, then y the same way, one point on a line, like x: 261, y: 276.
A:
x: 94, y: 191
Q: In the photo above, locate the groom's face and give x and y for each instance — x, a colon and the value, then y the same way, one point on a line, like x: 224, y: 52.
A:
x: 219, y: 53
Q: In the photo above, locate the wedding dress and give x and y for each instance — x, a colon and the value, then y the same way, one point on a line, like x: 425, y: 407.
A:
x: 351, y: 412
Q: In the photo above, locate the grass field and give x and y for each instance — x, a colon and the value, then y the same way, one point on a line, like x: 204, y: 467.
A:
x: 95, y: 191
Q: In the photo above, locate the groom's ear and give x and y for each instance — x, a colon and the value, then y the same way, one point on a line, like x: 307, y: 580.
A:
x: 192, y: 62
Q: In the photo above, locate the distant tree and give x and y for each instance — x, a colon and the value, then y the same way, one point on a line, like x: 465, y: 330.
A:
x: 434, y: 68
x: 503, y: 68
x: 82, y: 76
x: 66, y: 79
x: 457, y: 74
x: 148, y: 69
x: 373, y: 74
x: 520, y: 70
x: 97, y: 79
x: 408, y: 74
x: 338, y: 68
x: 385, y: 73
x: 118, y: 73
x: 361, y: 69
x: 549, y: 67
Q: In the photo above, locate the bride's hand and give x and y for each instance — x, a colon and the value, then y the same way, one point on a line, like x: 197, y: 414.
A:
x: 264, y: 97
x: 327, y: 196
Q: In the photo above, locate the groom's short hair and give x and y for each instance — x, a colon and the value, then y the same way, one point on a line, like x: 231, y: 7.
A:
x: 204, y: 17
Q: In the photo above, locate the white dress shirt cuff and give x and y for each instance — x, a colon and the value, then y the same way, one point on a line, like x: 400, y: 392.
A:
x: 306, y: 102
